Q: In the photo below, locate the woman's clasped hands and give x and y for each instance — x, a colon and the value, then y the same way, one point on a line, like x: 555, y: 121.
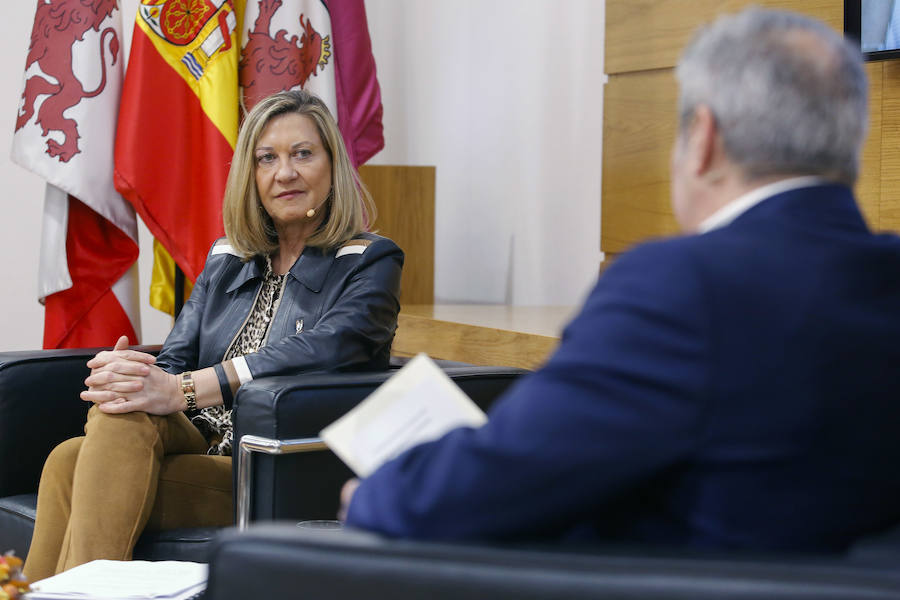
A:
x: 123, y: 381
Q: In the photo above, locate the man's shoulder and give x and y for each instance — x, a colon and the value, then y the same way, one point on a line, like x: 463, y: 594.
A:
x: 721, y: 248
x: 664, y: 255
x: 676, y: 272
x: 657, y: 276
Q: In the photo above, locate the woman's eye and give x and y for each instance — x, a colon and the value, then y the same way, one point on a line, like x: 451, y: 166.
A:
x: 303, y: 153
x: 265, y: 159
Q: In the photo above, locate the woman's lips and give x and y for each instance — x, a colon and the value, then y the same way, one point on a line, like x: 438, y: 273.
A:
x: 290, y: 193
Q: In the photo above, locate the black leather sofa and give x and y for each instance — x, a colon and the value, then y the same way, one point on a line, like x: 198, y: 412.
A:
x: 283, y: 561
x: 39, y: 407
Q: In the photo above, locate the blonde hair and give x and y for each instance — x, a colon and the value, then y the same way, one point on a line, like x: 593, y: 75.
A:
x: 349, y: 208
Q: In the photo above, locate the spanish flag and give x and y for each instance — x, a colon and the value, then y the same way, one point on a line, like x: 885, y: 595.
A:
x: 177, y: 127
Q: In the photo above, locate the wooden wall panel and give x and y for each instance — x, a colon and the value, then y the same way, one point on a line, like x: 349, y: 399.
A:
x: 650, y: 34
x: 644, y: 39
x: 518, y: 336
x: 890, y: 148
x: 639, y: 125
x: 869, y: 186
x: 404, y: 197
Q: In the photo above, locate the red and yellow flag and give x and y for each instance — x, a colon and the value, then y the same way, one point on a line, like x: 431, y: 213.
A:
x: 177, y: 127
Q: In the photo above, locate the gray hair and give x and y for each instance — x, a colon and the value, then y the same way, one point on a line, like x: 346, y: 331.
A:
x: 787, y: 92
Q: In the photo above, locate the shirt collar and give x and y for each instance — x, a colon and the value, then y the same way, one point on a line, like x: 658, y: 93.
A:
x: 731, y: 211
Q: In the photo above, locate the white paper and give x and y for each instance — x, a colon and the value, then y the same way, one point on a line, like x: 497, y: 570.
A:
x: 418, y: 404
x: 124, y: 580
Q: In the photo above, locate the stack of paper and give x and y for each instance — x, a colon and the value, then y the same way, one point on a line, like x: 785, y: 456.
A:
x: 418, y: 404
x: 124, y: 580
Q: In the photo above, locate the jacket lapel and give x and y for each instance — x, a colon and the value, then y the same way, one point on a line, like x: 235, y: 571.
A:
x: 252, y: 269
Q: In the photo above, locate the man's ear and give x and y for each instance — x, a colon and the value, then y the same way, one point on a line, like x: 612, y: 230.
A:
x: 702, y: 138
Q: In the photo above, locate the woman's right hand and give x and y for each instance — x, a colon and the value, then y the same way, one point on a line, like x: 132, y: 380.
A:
x: 119, y: 369
x: 157, y: 393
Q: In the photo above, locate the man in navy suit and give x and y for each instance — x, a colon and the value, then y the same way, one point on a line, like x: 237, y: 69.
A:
x: 734, y: 387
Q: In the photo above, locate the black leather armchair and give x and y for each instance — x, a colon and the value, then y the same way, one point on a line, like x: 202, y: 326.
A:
x: 305, y: 484
x: 39, y: 407
x: 272, y: 561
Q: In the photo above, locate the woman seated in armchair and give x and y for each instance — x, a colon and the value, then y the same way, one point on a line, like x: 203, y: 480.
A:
x: 295, y: 286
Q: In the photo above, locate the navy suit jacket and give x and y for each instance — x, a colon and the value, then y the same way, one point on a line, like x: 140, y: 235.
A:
x: 735, y: 389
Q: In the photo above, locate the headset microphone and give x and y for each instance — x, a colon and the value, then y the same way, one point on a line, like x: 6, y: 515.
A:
x: 312, y: 212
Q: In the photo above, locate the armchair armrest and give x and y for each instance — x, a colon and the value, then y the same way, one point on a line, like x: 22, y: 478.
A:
x: 352, y: 564
x: 306, y: 485
x: 39, y: 408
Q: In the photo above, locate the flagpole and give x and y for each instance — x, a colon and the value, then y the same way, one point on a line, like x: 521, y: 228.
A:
x: 179, y: 291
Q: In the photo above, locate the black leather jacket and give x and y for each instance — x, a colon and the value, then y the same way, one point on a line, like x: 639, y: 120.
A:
x: 338, y: 310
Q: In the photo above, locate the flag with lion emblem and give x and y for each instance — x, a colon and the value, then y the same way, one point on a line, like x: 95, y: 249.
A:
x: 64, y: 132
x: 196, y: 66
x: 320, y: 46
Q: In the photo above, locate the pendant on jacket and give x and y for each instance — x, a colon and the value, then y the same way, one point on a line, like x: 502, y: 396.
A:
x: 299, y: 325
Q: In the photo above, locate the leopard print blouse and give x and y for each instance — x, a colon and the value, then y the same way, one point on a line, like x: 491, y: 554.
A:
x: 214, y: 422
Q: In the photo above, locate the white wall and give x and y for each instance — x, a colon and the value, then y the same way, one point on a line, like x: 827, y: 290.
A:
x: 504, y: 97
x: 21, y: 201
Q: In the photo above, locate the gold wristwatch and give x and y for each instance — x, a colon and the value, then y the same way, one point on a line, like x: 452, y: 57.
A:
x: 187, y: 388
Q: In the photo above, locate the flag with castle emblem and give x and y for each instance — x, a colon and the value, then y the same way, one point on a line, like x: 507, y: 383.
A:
x: 64, y: 132
x: 178, y: 124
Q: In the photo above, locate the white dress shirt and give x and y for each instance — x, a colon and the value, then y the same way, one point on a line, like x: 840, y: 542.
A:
x: 745, y: 202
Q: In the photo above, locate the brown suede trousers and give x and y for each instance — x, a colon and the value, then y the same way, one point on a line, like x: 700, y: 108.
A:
x: 131, y: 471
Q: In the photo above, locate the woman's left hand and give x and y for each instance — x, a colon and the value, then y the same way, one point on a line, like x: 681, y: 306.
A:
x: 159, y: 394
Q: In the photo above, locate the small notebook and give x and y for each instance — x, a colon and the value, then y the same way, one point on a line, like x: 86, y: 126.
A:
x: 418, y: 404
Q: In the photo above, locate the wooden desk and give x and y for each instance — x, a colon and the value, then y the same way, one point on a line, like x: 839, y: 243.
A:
x: 516, y: 336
